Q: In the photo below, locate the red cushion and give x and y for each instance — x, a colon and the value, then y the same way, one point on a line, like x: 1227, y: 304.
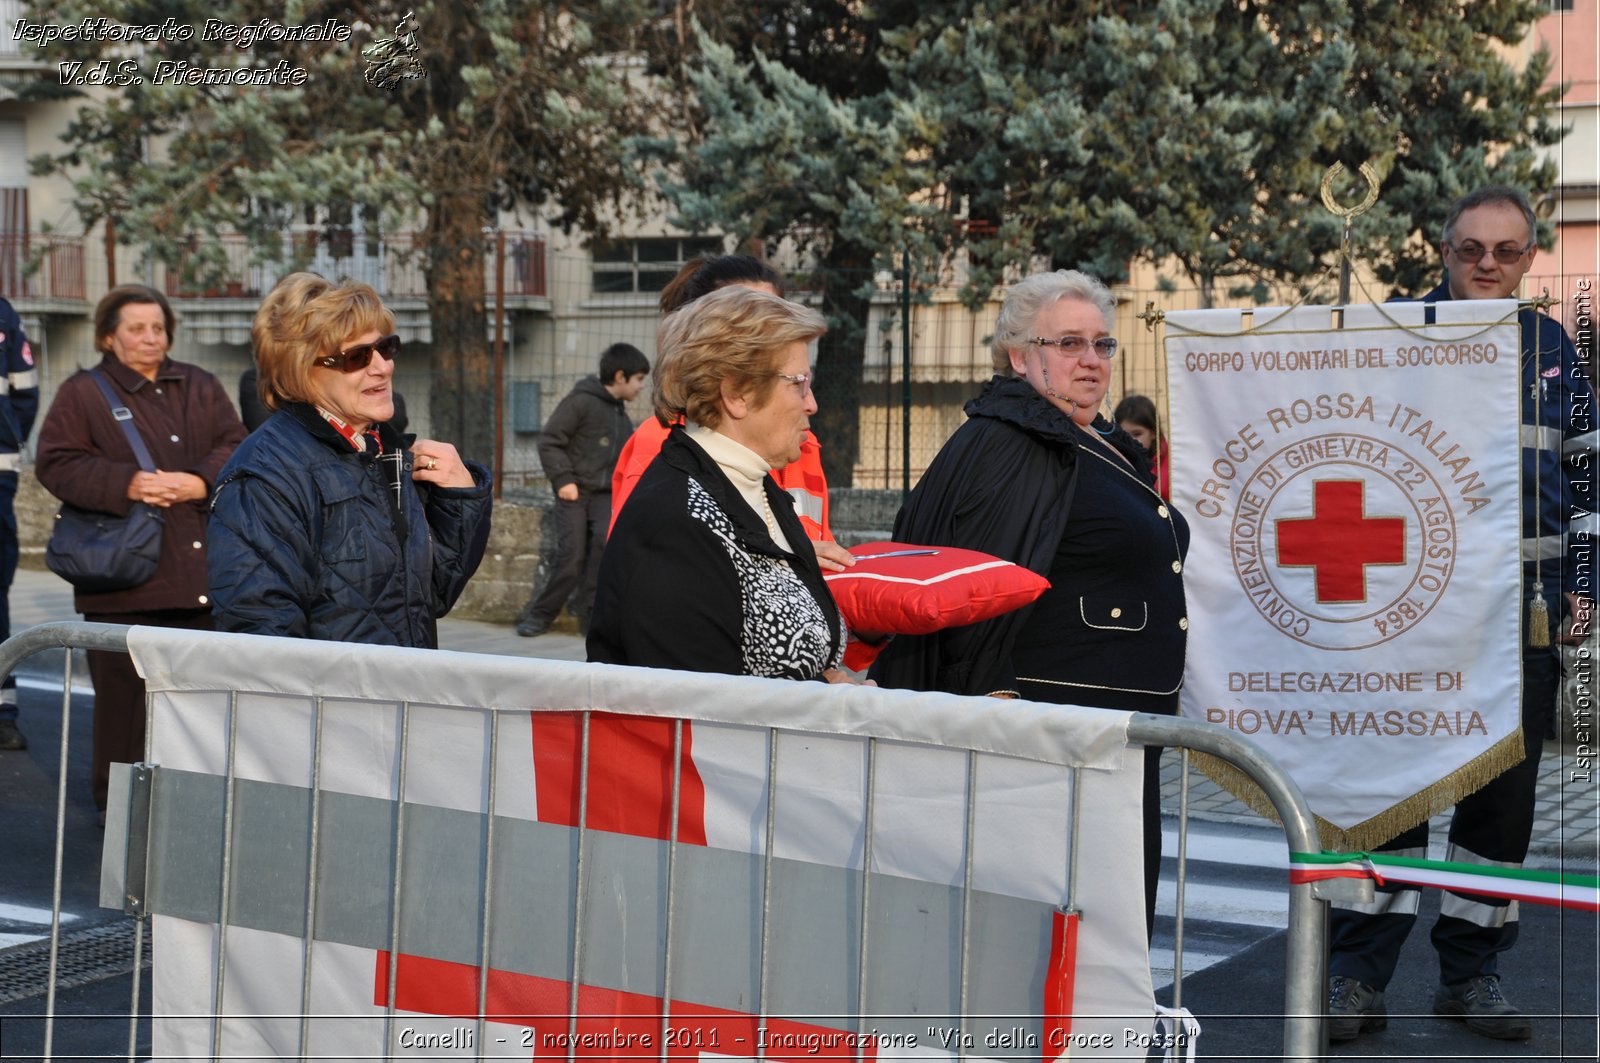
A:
x: 935, y: 588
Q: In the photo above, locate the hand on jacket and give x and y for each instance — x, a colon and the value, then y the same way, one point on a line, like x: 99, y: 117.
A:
x: 434, y: 462
x: 567, y: 492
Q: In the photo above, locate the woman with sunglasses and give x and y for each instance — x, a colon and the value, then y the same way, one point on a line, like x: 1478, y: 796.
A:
x: 182, y: 415
x: 1040, y: 476
x: 323, y: 525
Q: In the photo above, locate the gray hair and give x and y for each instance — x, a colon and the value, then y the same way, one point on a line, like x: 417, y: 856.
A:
x: 1484, y: 197
x: 1014, y: 326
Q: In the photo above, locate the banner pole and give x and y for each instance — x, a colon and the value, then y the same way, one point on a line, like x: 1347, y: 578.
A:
x: 1349, y: 214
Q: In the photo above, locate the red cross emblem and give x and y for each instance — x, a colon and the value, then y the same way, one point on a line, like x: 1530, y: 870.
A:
x: 1340, y: 540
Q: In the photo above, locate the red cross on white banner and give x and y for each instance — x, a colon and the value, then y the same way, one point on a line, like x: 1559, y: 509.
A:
x: 1340, y: 540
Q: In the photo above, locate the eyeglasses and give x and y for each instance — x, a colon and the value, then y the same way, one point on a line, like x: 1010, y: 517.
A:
x: 1472, y: 252
x: 799, y: 380
x: 354, y: 359
x: 1078, y: 346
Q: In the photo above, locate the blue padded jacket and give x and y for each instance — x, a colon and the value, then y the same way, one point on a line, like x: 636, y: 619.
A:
x: 310, y: 538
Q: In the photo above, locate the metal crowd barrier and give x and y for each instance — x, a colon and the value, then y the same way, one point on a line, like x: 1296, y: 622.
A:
x: 137, y: 816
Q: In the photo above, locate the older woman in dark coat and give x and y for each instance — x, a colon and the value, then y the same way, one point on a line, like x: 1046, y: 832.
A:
x: 1039, y: 476
x: 183, y: 415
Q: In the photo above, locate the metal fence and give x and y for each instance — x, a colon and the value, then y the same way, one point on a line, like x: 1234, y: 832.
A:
x: 923, y: 357
x: 232, y: 850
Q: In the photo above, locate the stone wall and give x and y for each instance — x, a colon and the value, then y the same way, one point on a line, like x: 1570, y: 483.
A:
x: 502, y: 583
x: 36, y: 510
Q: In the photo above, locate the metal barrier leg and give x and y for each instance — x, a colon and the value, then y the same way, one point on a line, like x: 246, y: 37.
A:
x: 313, y: 869
x: 61, y: 849
x: 579, y: 888
x: 766, y: 888
x: 672, y: 867
x: 399, y: 874
x: 866, y: 899
x: 135, y: 883
x: 486, y: 902
x: 1183, y: 875
x: 230, y: 781
x: 1303, y: 1028
x: 968, y: 847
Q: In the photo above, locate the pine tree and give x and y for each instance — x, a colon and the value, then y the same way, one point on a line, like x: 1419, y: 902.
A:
x: 1200, y: 131
x: 524, y: 103
x: 785, y: 134
x: 1103, y: 132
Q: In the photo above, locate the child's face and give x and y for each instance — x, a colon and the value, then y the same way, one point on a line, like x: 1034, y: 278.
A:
x: 628, y: 388
x: 1141, y: 435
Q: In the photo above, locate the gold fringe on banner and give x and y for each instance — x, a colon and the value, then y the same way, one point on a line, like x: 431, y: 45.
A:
x: 1393, y: 821
x: 1538, y: 619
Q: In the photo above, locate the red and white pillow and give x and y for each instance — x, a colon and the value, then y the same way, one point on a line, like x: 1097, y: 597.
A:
x: 903, y: 589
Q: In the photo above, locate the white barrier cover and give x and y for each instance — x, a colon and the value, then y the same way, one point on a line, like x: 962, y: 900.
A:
x: 808, y: 1000
x: 1353, y: 577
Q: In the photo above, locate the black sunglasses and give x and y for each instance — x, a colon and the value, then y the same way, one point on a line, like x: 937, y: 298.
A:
x: 354, y: 359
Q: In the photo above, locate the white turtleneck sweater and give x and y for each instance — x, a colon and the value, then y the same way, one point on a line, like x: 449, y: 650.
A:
x: 746, y: 470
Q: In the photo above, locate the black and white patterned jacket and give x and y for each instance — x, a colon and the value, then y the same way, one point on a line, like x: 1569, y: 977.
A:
x: 691, y: 579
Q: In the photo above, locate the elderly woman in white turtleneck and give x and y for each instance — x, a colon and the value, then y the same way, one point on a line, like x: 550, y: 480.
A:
x: 708, y: 569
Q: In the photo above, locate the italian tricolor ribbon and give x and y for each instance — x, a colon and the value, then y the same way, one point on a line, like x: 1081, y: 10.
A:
x: 1563, y: 889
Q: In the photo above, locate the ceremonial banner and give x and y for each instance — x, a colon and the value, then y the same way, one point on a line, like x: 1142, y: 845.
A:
x: 854, y: 883
x: 1354, y: 574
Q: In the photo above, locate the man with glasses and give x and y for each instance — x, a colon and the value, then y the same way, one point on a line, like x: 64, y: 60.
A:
x: 1488, y: 246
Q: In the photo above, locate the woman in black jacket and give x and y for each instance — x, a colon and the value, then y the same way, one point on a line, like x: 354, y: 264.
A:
x: 708, y: 568
x: 324, y: 525
x: 1039, y: 476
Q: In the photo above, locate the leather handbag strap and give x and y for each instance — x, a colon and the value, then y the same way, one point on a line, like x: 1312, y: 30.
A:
x: 124, y: 417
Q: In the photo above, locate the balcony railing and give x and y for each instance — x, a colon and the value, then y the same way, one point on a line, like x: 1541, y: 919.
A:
x: 391, y: 263
x: 10, y: 48
x: 41, y: 266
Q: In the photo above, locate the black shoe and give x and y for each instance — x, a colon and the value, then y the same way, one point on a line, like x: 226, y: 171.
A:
x: 10, y: 737
x: 1488, y: 1013
x: 1354, y: 1008
x: 528, y: 629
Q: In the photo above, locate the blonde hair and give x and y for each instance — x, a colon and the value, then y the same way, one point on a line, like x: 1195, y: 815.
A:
x: 734, y: 335
x: 305, y: 317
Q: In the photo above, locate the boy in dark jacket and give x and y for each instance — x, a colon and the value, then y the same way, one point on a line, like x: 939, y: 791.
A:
x: 579, y: 447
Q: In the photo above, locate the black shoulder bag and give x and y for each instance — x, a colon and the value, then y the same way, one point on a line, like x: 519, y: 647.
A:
x: 98, y: 552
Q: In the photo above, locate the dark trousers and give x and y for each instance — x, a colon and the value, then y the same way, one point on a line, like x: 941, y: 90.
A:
x: 8, y: 572
x: 580, y: 537
x: 1494, y: 824
x: 119, y: 715
x: 1151, y: 797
